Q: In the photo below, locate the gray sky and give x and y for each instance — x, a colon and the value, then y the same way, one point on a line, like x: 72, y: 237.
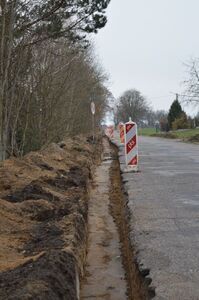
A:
x: 145, y: 45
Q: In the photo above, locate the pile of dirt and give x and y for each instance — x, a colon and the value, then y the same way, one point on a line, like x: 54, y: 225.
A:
x: 194, y: 139
x: 43, y: 220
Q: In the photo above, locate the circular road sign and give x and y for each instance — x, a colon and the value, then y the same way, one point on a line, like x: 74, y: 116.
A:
x: 93, y: 107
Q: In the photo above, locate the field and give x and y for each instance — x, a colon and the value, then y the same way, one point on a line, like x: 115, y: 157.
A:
x: 178, y: 134
x: 146, y: 131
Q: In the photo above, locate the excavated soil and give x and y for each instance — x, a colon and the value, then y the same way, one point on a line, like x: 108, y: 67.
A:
x: 105, y: 276
x: 137, y: 282
x: 44, y: 201
x: 111, y: 269
x: 43, y: 220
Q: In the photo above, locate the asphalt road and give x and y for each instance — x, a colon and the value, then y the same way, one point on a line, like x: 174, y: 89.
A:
x: 164, y: 202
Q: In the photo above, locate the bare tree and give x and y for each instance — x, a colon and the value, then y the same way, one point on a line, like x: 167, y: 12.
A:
x: 59, y: 84
x: 191, y: 84
x: 131, y: 104
x: 46, y: 74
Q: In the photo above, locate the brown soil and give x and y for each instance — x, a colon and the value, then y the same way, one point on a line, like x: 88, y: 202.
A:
x: 43, y: 220
x: 43, y: 226
x: 111, y: 271
x: 137, y: 282
x: 105, y: 276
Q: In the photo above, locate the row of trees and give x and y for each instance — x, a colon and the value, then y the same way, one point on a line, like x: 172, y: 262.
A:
x: 48, y: 71
x: 133, y: 104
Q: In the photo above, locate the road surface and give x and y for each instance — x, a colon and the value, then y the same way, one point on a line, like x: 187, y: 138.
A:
x: 164, y: 202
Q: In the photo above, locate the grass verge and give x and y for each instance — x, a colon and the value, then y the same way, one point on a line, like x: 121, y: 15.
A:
x: 190, y: 135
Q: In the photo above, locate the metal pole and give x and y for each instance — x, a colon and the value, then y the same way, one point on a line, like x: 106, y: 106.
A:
x: 93, y: 121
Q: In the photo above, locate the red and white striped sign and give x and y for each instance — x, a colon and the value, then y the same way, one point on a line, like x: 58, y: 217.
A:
x: 131, y: 144
x: 109, y: 131
x: 121, y: 130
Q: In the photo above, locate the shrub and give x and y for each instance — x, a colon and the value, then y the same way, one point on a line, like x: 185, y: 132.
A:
x: 164, y: 124
x: 181, y: 122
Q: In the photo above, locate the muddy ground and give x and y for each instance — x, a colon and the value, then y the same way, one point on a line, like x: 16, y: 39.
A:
x: 43, y: 220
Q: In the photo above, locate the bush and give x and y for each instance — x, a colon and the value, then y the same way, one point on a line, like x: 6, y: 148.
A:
x: 175, y: 112
x: 181, y: 122
x: 164, y: 126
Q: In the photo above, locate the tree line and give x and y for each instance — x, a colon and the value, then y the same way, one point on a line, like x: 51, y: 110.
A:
x: 133, y: 104
x: 48, y: 71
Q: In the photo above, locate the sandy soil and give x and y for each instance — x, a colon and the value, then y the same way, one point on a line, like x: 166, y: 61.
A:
x: 43, y: 220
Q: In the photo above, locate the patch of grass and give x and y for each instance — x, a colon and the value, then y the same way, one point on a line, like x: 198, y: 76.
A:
x: 166, y: 135
x: 146, y: 131
x: 185, y: 134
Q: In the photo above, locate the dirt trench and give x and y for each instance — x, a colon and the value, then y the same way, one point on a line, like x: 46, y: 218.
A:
x: 111, y: 270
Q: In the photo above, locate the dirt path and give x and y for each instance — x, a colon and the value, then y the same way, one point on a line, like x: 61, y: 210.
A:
x: 105, y: 276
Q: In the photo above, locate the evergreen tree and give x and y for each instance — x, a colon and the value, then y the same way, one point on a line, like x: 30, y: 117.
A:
x: 44, y: 19
x: 175, y: 112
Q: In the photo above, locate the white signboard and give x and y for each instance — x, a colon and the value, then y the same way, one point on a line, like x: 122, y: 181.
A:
x: 93, y: 107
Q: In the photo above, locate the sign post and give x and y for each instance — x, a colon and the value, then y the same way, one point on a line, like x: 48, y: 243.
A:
x: 93, y: 119
x: 131, y: 145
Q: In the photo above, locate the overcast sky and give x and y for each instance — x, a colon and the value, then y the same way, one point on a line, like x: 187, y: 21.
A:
x: 145, y: 45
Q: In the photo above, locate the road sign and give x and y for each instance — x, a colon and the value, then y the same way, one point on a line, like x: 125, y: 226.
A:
x: 92, y: 107
x: 93, y: 119
x: 110, y: 131
x: 131, y: 145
